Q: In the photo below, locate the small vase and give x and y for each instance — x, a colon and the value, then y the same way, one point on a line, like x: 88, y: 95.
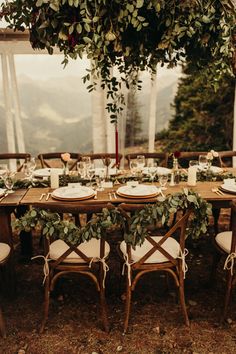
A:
x: 65, y: 168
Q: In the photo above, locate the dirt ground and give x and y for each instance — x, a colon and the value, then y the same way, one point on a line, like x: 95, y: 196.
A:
x: 156, y: 324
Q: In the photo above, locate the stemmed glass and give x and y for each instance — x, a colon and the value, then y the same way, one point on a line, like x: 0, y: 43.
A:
x: 106, y: 162
x: 29, y: 167
x: 203, y: 162
x: 133, y: 167
x: 87, y: 162
x: 141, y: 161
x: 81, y: 168
x: 9, y: 181
x: 91, y: 173
x: 100, y: 178
x: 163, y: 179
x: 152, y: 172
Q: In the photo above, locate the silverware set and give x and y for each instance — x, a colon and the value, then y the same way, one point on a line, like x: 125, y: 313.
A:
x: 46, y: 195
x: 4, y: 196
x: 112, y: 195
x: 217, y: 191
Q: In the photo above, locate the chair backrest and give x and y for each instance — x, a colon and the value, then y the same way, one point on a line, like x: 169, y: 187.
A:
x: 74, y: 210
x: 161, y: 157
x: 104, y: 157
x: 53, y: 159
x: 176, y: 229
x: 17, y: 157
x: 226, y: 158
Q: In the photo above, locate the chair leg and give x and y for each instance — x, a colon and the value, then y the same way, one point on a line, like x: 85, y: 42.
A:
x: 46, y: 304
x: 127, y: 306
x: 104, y: 309
x: 182, y: 299
x: 228, y: 294
x: 2, y: 325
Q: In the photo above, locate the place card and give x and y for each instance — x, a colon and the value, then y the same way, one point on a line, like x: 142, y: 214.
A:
x: 107, y: 184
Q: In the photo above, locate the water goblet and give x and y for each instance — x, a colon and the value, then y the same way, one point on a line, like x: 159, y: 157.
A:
x: 87, y: 162
x: 91, y: 173
x: 163, y: 179
x: 133, y: 167
x: 203, y: 163
x: 3, y: 170
x: 9, y: 181
x: 141, y: 161
x: 152, y: 172
x: 81, y: 168
x: 100, y: 178
x: 29, y: 167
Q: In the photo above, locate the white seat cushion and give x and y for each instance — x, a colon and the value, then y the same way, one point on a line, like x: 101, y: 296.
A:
x: 4, y: 251
x: 170, y: 245
x: 223, y: 240
x: 91, y: 249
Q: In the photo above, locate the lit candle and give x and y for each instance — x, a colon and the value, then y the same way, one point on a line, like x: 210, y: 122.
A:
x: 192, y: 176
x: 54, y: 179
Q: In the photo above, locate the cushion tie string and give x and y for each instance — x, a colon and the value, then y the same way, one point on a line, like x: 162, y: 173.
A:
x: 182, y: 256
x: 229, y: 262
x: 126, y: 258
x: 45, y: 266
x: 104, y: 266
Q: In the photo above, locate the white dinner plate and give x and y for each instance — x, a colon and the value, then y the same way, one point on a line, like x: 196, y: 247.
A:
x: 139, y: 191
x: 228, y: 188
x: 2, y: 192
x: 73, y: 193
x: 46, y: 172
x: 159, y: 170
x: 213, y: 169
x: 112, y: 171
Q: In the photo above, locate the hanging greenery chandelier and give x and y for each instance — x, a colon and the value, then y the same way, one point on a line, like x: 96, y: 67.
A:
x: 130, y: 35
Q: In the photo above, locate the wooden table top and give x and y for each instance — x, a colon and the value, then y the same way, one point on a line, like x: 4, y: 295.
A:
x: 32, y: 195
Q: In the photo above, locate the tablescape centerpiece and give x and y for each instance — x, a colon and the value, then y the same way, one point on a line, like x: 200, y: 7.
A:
x: 210, y: 156
x: 130, y: 36
x: 65, y: 157
x: 52, y: 225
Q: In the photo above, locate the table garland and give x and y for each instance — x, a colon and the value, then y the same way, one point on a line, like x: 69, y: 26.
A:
x: 52, y: 225
x: 202, y: 176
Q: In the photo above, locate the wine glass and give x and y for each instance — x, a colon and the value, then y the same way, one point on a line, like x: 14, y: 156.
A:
x: 9, y: 181
x: 91, y: 173
x: 203, y: 162
x: 163, y: 179
x: 3, y: 170
x: 81, y: 168
x: 100, y: 178
x: 133, y: 167
x: 152, y: 172
x: 87, y: 162
x: 29, y: 167
x: 141, y: 161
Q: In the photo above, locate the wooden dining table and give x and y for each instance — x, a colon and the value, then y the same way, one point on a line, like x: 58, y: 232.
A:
x: 32, y: 197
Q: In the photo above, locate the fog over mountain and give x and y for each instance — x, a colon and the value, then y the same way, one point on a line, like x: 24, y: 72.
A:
x: 56, y: 112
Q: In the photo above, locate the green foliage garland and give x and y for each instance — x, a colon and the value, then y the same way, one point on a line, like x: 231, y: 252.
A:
x: 130, y: 35
x: 52, y: 225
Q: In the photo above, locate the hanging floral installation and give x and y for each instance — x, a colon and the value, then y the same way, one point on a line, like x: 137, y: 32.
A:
x: 131, y: 35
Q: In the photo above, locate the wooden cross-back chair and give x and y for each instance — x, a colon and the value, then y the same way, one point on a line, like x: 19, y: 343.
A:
x: 103, y: 157
x: 186, y: 156
x: 5, y: 251
x: 18, y: 157
x: 89, y: 258
x: 226, y: 158
x: 53, y: 159
x: 161, y: 157
x: 159, y: 252
x: 225, y: 244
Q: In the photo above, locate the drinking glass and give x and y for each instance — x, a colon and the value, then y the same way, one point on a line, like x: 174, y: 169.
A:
x: 152, y: 172
x: 81, y: 168
x: 100, y: 178
x: 163, y: 179
x: 9, y: 181
x: 3, y: 169
x: 133, y: 167
x: 203, y: 162
x: 87, y: 162
x: 29, y: 167
x: 91, y: 173
x: 193, y: 163
x: 141, y: 161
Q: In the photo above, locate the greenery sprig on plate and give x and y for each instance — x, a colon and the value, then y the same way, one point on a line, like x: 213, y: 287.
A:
x: 53, y: 226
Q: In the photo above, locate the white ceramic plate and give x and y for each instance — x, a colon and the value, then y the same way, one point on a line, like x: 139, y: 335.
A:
x: 214, y: 169
x: 2, y: 192
x: 139, y: 191
x: 159, y: 170
x: 45, y: 172
x: 112, y: 171
x: 229, y: 189
x: 73, y: 193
